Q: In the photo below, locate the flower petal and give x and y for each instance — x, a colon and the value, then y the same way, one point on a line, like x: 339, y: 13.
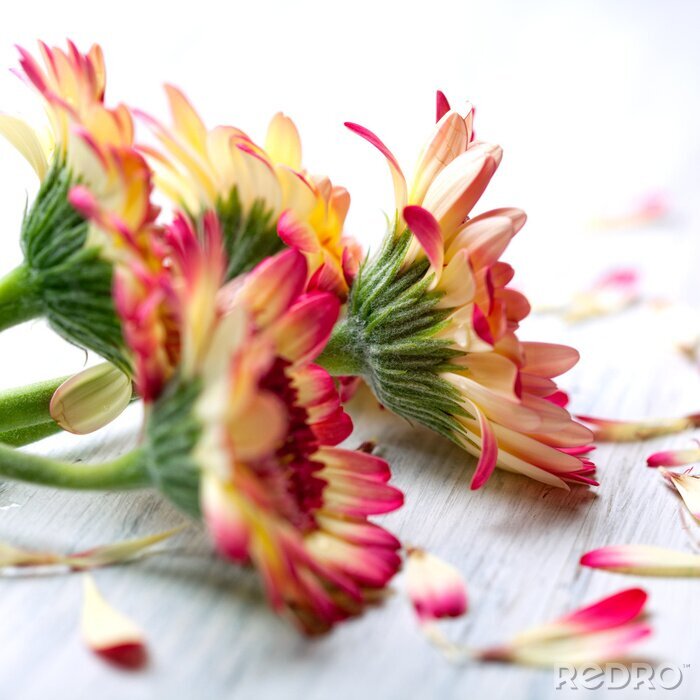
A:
x: 400, y: 190
x: 458, y: 187
x: 489, y: 453
x: 304, y: 330
x: 608, y: 430
x: 595, y: 633
x: 457, y: 282
x: 26, y: 141
x: 596, y: 648
x: 442, y: 106
x: 282, y: 142
x: 226, y: 524
x: 448, y: 141
x: 426, y: 229
x: 436, y: 589
x: 688, y: 486
x: 103, y: 555
x: 548, y: 359
x: 643, y: 560
x: 107, y: 631
x: 186, y: 121
x: 674, y: 458
x: 274, y: 284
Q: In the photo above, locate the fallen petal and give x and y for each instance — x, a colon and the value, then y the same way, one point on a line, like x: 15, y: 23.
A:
x: 643, y: 560
x: 674, y: 458
x: 104, y: 555
x: 688, y: 486
x: 596, y: 633
x: 606, y: 430
x: 108, y: 632
x: 596, y: 648
x: 612, y: 611
x: 436, y: 588
x: 118, y: 552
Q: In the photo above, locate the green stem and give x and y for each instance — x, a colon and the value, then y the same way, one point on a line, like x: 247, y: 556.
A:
x: 340, y: 357
x: 29, y: 434
x: 27, y: 405
x: 19, y: 298
x: 126, y: 472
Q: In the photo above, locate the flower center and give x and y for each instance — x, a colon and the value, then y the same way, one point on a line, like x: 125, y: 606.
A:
x: 303, y: 488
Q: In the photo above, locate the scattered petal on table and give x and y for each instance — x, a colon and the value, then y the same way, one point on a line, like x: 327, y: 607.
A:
x: 612, y: 293
x: 104, y: 555
x: 596, y: 633
x: 436, y: 588
x: 674, y: 458
x: 108, y: 632
x: 649, y: 209
x: 643, y: 560
x: 119, y: 552
x: 608, y: 430
x: 595, y: 648
x: 688, y: 486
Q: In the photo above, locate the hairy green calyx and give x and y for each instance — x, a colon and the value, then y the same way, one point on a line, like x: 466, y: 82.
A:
x: 249, y: 237
x: 66, y: 280
x: 172, y: 432
x: 389, y: 338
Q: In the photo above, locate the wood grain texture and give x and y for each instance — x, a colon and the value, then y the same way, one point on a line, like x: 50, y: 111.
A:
x: 517, y: 543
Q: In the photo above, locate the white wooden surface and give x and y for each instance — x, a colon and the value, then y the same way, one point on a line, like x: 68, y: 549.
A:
x: 516, y: 542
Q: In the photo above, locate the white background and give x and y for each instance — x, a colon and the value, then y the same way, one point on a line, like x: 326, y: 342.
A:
x: 595, y: 103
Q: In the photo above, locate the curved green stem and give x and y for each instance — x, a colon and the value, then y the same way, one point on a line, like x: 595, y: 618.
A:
x: 339, y: 357
x: 19, y: 298
x: 29, y: 434
x: 28, y: 405
x: 126, y: 472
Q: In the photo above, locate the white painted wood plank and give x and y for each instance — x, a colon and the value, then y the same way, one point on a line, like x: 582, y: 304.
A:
x: 516, y: 542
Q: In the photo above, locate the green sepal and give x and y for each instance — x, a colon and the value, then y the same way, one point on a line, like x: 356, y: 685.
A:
x: 67, y: 277
x: 249, y: 237
x: 389, y: 337
x: 172, y: 433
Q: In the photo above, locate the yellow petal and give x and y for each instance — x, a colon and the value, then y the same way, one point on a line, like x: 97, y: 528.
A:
x: 26, y: 141
x: 282, y: 143
x: 187, y: 122
x: 688, y: 486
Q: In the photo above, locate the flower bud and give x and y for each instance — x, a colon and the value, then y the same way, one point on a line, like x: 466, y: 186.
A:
x: 91, y: 399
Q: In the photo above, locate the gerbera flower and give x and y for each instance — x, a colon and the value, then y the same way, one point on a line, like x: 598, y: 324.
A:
x: 275, y: 489
x: 242, y: 428
x: 257, y: 192
x: 432, y: 324
x: 67, y: 273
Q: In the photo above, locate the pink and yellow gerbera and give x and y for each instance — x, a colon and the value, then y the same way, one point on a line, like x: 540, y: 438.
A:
x: 276, y: 490
x: 432, y: 322
x: 256, y: 191
x: 72, y: 86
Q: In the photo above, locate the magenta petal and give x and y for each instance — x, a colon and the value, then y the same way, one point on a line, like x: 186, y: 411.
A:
x: 427, y: 230
x: 481, y: 325
x: 615, y: 610
x: 488, y: 456
x: 442, y: 106
x: 375, y: 141
x: 396, y: 173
